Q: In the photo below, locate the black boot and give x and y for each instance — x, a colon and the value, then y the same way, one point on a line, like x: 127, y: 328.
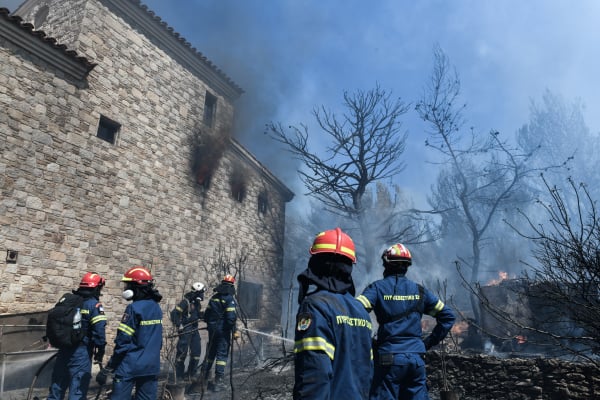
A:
x: 219, y: 383
x: 179, y: 372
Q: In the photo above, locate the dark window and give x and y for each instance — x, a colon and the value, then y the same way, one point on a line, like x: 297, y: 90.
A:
x: 263, y: 203
x: 249, y: 298
x: 108, y: 129
x: 238, y: 191
x: 210, y: 109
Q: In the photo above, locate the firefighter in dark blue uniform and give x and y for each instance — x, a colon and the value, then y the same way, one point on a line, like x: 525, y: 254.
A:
x: 185, y: 317
x: 333, y: 358
x: 399, y: 304
x: 220, y: 317
x: 136, y: 358
x: 73, y: 368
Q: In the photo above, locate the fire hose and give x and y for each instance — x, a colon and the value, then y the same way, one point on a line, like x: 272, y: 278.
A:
x: 38, y: 372
x: 182, y: 331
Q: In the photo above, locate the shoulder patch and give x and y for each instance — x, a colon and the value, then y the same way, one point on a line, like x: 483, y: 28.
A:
x: 100, y: 308
x: 125, y: 317
x: 303, y: 321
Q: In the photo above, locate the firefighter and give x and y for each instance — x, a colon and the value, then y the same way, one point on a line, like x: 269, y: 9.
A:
x: 135, y: 361
x: 220, y: 317
x: 73, y: 368
x: 399, y: 304
x: 333, y: 358
x: 185, y: 317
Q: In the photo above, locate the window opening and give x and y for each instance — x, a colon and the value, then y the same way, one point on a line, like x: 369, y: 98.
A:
x: 210, y: 109
x: 108, y: 129
x: 249, y: 297
x: 263, y: 203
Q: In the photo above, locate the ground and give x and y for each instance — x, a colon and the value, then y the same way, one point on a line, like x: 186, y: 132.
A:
x: 272, y: 382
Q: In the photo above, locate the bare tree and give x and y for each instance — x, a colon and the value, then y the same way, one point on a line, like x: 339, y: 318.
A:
x: 392, y: 212
x: 567, y: 273
x: 482, y: 173
x: 555, y: 305
x: 363, y: 146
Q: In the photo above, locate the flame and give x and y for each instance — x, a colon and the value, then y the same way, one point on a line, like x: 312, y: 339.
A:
x: 502, y: 276
x: 521, y: 339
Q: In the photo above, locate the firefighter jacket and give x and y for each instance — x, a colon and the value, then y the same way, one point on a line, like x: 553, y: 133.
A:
x: 138, y: 341
x: 399, y: 304
x: 93, y: 322
x: 220, y: 314
x: 187, y: 313
x: 333, y: 358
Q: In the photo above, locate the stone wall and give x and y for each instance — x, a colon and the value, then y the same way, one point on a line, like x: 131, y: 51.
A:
x: 71, y: 202
x: 482, y: 377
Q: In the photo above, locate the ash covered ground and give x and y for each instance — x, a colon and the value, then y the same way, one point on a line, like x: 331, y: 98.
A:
x: 271, y: 382
x: 274, y: 381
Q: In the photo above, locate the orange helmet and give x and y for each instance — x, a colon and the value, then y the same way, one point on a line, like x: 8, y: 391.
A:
x: 91, y: 280
x: 139, y: 275
x: 334, y: 241
x: 228, y: 279
x: 397, y: 253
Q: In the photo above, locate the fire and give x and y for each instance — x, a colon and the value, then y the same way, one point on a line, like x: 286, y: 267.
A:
x: 521, y: 339
x: 502, y: 276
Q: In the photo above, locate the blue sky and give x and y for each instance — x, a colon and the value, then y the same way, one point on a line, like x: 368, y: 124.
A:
x: 292, y: 55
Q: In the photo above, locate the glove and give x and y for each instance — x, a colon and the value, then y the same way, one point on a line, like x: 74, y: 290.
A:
x: 236, y: 335
x: 427, y: 343
x: 103, y: 375
x: 99, y: 354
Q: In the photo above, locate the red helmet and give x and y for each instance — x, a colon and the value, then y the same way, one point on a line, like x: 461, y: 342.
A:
x: 139, y: 275
x: 334, y: 241
x: 91, y: 280
x: 228, y: 279
x: 397, y: 253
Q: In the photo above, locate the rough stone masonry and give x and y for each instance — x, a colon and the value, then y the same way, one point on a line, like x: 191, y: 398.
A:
x: 72, y: 202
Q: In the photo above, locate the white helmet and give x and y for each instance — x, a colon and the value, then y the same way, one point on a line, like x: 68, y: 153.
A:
x: 198, y: 286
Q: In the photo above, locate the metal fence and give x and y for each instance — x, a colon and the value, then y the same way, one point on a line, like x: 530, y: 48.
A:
x: 23, y: 352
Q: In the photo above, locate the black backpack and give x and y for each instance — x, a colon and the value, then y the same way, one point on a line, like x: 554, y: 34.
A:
x: 60, y: 329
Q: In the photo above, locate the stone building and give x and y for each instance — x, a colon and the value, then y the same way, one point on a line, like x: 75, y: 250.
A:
x: 116, y: 150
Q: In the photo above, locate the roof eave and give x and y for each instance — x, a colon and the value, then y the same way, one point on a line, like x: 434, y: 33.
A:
x: 156, y: 29
x: 36, y: 42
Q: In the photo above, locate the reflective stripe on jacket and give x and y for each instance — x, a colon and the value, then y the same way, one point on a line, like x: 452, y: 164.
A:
x: 139, y: 340
x: 395, y: 295
x: 93, y: 321
x: 220, y: 312
x: 333, y: 358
